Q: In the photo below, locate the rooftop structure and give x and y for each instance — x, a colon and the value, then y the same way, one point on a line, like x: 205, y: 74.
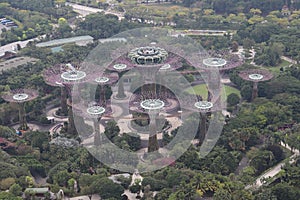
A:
x: 79, y: 40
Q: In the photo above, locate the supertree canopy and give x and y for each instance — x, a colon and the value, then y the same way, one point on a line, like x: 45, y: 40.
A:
x: 21, y: 96
x: 255, y: 76
x: 222, y: 60
x: 148, y: 55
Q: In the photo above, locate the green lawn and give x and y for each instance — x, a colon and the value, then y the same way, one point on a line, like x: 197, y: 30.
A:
x: 202, y: 90
x: 276, y: 69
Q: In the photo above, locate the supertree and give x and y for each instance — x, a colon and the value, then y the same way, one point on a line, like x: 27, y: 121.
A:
x: 153, y: 107
x: 94, y: 112
x: 231, y: 60
x: 215, y: 66
x: 20, y: 96
x: 65, y: 76
x: 121, y: 66
x: 52, y: 76
x: 255, y: 76
x: 204, y: 108
x: 103, y: 80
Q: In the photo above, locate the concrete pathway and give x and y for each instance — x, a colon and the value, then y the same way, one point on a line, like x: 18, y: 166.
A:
x: 86, y: 10
x: 13, y: 46
x: 274, y: 170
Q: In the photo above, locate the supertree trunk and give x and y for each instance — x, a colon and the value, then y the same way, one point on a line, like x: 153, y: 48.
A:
x: 22, y: 117
x: 71, y: 123
x: 254, y: 91
x: 102, y: 95
x: 202, y: 127
x: 153, y: 143
x: 209, y: 96
x: 121, y: 93
x: 97, y: 136
x: 63, y: 101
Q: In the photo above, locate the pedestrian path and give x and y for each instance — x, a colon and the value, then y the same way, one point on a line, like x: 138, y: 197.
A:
x: 274, y: 170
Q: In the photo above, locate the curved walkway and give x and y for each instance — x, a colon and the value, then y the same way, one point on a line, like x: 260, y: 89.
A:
x: 274, y: 170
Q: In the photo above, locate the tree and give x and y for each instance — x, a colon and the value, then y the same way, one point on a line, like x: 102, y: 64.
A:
x: 15, y: 189
x: 163, y: 194
x: 248, y: 43
x: 8, y: 195
x: 246, y: 92
x: 234, y: 46
x: 38, y: 139
x: 63, y: 30
x: 61, y: 178
x: 155, y: 185
x: 285, y: 191
x: 6, y: 183
x: 222, y: 194
x: 106, y: 188
x: 111, y: 130
x: 255, y: 11
x: 233, y: 99
x: 263, y: 160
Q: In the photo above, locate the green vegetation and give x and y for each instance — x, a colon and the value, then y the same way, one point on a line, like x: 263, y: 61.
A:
x: 202, y: 90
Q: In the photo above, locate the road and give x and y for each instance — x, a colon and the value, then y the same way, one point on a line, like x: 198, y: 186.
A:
x: 275, y: 170
x: 86, y: 10
x: 13, y: 46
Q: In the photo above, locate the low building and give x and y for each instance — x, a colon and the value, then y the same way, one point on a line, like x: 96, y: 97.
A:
x: 79, y: 40
x: 36, y: 193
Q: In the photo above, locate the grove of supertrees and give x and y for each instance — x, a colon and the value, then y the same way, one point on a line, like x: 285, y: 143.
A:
x: 21, y: 96
x: 148, y: 98
x: 153, y: 61
x: 255, y: 76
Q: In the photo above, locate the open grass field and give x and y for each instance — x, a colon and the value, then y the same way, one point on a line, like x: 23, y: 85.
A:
x: 276, y: 69
x: 202, y: 90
